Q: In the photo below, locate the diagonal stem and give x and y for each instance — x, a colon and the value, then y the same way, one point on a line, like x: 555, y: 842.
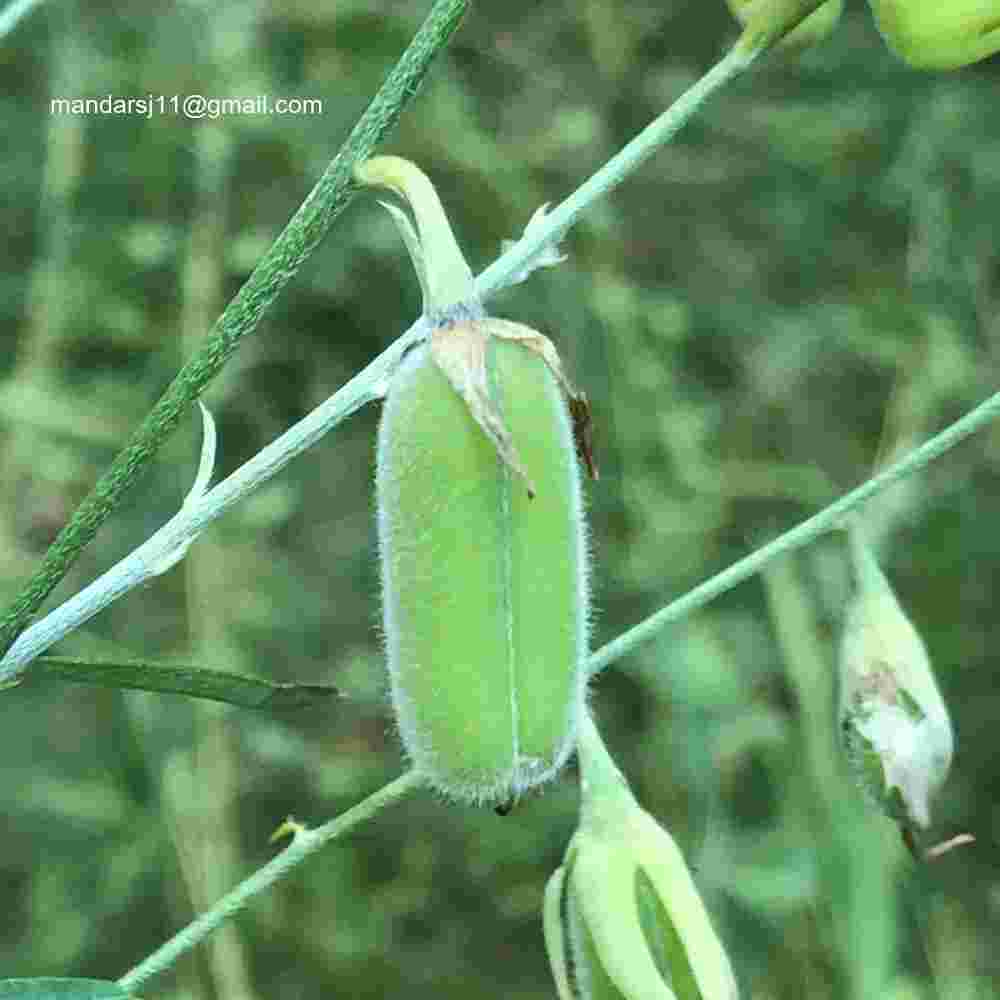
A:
x: 828, y: 519
x: 304, y: 843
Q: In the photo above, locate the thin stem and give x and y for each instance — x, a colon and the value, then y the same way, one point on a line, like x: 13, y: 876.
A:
x: 13, y: 13
x: 276, y: 268
x: 604, y: 792
x: 808, y: 531
x: 660, y: 131
x: 304, y: 844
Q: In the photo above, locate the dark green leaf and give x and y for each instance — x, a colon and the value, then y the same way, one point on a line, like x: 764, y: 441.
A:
x: 193, y: 682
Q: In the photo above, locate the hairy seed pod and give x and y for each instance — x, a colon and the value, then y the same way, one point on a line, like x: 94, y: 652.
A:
x: 484, y: 581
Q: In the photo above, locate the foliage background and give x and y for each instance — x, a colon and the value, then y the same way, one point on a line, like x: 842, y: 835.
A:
x: 813, y: 258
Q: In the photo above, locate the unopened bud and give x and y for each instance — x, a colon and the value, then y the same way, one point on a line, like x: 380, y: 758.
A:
x: 894, y: 723
x: 623, y: 919
x: 787, y: 24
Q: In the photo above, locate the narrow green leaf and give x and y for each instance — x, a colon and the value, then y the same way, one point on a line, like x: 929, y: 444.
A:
x: 65, y: 989
x: 191, y: 681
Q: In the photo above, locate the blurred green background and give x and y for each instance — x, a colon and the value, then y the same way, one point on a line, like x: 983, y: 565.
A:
x: 806, y: 279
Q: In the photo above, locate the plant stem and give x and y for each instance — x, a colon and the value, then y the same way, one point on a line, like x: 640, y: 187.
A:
x: 276, y: 268
x: 631, y: 156
x: 828, y: 519
x: 144, y: 561
x: 304, y: 843
x: 13, y: 12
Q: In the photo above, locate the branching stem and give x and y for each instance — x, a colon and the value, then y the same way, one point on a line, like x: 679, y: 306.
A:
x: 304, y: 843
x: 808, y: 531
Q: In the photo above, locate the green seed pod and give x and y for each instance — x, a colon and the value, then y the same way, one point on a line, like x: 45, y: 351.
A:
x: 939, y: 34
x: 484, y: 588
x: 481, y: 538
x: 894, y: 723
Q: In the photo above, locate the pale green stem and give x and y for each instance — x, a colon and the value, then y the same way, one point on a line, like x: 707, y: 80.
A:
x: 828, y: 519
x: 604, y: 793
x: 868, y: 574
x: 660, y: 131
x: 13, y: 12
x: 304, y: 843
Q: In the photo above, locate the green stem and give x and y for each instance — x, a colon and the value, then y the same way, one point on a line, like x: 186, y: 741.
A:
x: 628, y: 159
x: 808, y: 531
x: 604, y: 793
x: 276, y: 268
x: 13, y: 13
x: 304, y: 844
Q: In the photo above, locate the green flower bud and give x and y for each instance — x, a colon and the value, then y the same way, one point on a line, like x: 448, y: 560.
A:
x: 623, y: 919
x: 939, y: 34
x: 481, y: 535
x: 767, y: 19
x: 768, y: 22
x: 894, y: 723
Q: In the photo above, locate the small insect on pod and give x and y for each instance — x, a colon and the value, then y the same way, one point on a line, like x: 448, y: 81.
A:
x: 481, y: 530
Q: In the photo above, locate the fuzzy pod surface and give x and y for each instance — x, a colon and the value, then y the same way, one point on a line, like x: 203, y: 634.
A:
x: 484, y: 588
